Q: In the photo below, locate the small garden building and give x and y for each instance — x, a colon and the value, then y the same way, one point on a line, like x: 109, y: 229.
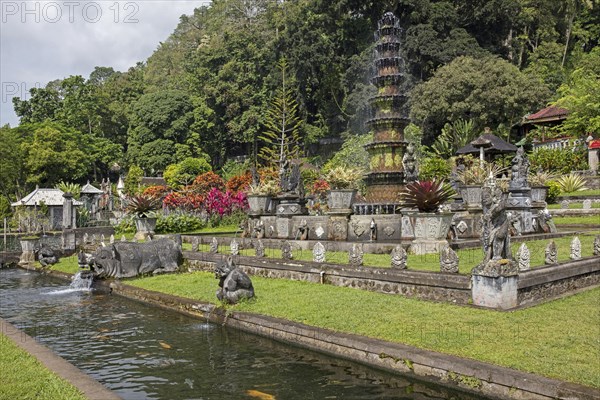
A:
x: 51, y: 198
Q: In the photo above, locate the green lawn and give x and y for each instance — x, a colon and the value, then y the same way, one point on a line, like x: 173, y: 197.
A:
x: 572, y: 206
x: 24, y: 377
x: 590, y: 220
x: 589, y: 192
x: 559, y: 339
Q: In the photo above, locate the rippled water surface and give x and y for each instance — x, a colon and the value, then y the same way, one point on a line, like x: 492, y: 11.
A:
x: 142, y: 352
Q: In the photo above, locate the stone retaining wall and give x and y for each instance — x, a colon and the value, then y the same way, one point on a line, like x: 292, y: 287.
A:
x: 531, y: 287
x: 542, y: 284
x: 452, y: 288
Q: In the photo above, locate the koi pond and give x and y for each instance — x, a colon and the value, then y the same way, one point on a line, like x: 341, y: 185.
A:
x: 144, y: 352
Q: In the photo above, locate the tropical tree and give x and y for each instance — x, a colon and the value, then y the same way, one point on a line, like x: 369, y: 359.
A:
x: 581, y: 96
x: 488, y: 91
x: 159, y: 129
x: 281, y: 137
x: 55, y: 153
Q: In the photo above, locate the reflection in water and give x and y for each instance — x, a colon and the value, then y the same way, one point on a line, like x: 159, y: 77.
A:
x: 142, y: 352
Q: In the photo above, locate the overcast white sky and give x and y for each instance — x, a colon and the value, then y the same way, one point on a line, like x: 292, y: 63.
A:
x: 45, y: 40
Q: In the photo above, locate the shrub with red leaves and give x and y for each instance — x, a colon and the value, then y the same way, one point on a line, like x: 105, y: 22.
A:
x: 239, y: 182
x: 205, y: 182
x: 224, y: 203
x: 158, y: 191
x: 184, y: 201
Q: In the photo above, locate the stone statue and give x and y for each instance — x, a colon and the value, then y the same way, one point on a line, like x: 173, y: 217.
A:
x: 399, y: 257
x: 244, y: 229
x: 545, y: 222
x: 259, y: 248
x: 319, y: 253
x: 551, y: 254
x: 409, y: 162
x: 290, y: 179
x: 195, y: 244
x: 448, y: 260
x: 234, y: 246
x: 495, y: 235
x: 129, y: 259
x: 524, y: 258
x: 597, y: 246
x: 234, y: 284
x: 302, y: 233
x: 355, y: 255
x: 519, y: 170
x: 259, y: 229
x: 286, y: 250
x: 45, y: 255
x: 575, y: 249
x: 496, y: 245
x: 214, y: 246
x: 373, y: 230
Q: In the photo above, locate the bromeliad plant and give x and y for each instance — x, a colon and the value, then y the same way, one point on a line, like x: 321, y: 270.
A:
x: 143, y: 206
x: 426, y: 196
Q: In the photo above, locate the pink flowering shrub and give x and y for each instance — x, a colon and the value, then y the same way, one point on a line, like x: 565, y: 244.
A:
x: 224, y: 203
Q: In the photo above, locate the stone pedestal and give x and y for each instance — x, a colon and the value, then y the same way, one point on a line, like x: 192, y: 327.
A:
x: 388, y: 228
x: 468, y: 224
x: 471, y: 197
x: 287, y: 208
x: 518, y: 205
x: 144, y: 227
x: 431, y: 230
x: 69, y: 240
x: 317, y: 226
x: 69, y: 221
x: 495, y: 292
x: 337, y: 228
x: 495, y: 284
x: 28, y: 252
x: 259, y: 205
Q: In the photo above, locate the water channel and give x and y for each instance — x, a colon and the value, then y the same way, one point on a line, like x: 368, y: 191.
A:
x: 144, y: 352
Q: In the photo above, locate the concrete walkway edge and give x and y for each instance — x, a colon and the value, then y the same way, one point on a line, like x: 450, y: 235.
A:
x: 90, y: 388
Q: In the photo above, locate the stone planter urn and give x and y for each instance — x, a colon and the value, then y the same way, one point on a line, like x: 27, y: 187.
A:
x: 144, y: 227
x: 259, y: 204
x: 471, y: 195
x: 539, y: 193
x: 430, y: 230
x: 341, y: 199
x: 28, y: 246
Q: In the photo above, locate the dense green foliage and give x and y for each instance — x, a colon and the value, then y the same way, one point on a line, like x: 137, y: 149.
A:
x: 209, y: 86
x: 488, y: 91
x: 184, y: 173
x: 561, y: 161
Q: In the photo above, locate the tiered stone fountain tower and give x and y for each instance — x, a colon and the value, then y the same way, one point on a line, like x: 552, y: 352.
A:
x: 390, y: 115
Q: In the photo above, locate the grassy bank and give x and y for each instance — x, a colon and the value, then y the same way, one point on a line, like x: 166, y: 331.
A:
x: 559, y: 339
x: 24, y: 377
